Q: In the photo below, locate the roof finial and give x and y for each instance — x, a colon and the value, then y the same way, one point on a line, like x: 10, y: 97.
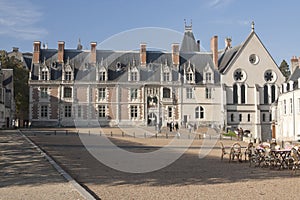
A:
x: 79, y: 46
x: 187, y: 27
x: 252, y: 25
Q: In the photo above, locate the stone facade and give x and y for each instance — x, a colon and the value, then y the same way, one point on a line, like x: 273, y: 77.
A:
x: 228, y: 88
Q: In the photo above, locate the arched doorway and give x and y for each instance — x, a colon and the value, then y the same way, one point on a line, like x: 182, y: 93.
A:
x: 152, y: 119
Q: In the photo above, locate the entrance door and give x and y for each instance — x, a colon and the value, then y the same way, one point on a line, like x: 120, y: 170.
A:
x: 152, y: 119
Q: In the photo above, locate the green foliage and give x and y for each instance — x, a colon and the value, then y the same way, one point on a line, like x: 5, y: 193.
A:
x: 285, y: 69
x: 230, y: 134
x: 21, y: 89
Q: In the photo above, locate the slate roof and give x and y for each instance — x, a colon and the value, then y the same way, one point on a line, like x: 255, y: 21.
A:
x: 80, y: 61
x: 295, y: 75
x: 188, y: 43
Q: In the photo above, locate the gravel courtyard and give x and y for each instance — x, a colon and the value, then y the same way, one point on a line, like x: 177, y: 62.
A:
x: 187, y: 178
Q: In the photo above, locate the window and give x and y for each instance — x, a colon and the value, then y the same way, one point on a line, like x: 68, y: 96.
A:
x: 79, y: 111
x: 291, y: 105
x: 189, y: 93
x: 68, y: 75
x: 284, y: 106
x: 68, y: 111
x: 133, y: 94
x: 189, y: 76
x: 166, y: 76
x: 235, y: 94
x: 133, y: 76
x: 133, y: 112
x: 44, y: 75
x: 208, y: 93
x: 266, y: 95
x: 170, y: 111
x: 273, y: 94
x: 44, y: 93
x: 67, y: 92
x: 243, y: 94
x: 101, y: 111
x: 270, y: 117
x: 288, y: 87
x: 208, y: 77
x: 232, y: 117
x: 102, y: 76
x: 199, y: 112
x: 264, y: 117
x: 44, y: 111
x: 166, y: 93
x: 101, y: 94
x: 249, y: 117
x: 240, y: 117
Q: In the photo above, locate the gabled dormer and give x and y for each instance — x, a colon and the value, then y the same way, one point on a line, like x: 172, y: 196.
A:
x: 189, y: 73
x: 44, y: 72
x: 166, y: 73
x: 102, y: 72
x: 68, y: 71
x: 208, y: 75
x: 133, y: 72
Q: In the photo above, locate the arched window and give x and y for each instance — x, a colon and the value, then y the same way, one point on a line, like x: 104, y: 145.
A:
x: 273, y: 94
x: 235, y: 94
x: 266, y: 95
x: 243, y: 94
x: 199, y: 112
x: 240, y: 117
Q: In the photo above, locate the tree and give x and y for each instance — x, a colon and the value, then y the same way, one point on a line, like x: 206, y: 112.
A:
x: 285, y: 69
x: 21, y: 89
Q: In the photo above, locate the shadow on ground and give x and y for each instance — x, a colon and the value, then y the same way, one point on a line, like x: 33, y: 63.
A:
x: 21, y: 164
x: 69, y: 152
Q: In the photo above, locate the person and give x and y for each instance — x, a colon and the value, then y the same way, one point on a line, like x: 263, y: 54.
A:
x: 176, y: 126
x: 171, y: 126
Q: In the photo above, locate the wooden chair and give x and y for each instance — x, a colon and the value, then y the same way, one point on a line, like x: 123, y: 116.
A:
x: 235, y: 152
x: 295, y: 155
x: 224, y: 152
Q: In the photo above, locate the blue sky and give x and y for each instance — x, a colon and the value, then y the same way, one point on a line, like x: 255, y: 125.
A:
x: 24, y: 21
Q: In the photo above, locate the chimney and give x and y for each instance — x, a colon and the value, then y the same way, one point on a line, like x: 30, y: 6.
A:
x: 294, y: 63
x: 36, y: 52
x: 93, y: 52
x: 228, y: 43
x: 175, y: 54
x: 198, y: 45
x: 61, y: 49
x: 143, y: 56
x: 214, y: 50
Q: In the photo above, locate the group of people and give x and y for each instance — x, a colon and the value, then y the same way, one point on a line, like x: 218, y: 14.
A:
x: 173, y: 126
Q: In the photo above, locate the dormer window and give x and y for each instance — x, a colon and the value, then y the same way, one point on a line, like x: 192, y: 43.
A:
x: 44, y: 75
x: 133, y: 76
x: 208, y: 77
x: 102, y: 76
x: 166, y: 76
x: 68, y: 75
x: 189, y: 76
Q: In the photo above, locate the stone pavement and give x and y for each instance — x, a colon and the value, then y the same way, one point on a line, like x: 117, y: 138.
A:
x: 26, y: 174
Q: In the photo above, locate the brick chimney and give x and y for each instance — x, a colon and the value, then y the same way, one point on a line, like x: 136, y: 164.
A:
x: 175, y: 54
x: 93, y: 52
x: 143, y: 54
x: 294, y: 63
x: 61, y: 50
x: 36, y: 52
x: 214, y: 50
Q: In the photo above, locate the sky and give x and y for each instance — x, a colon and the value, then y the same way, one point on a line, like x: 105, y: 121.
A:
x: 158, y: 23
